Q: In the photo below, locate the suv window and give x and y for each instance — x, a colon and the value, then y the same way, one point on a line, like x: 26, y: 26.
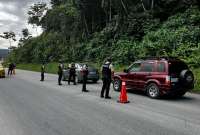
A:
x: 135, y: 67
x: 161, y: 67
x: 176, y: 67
x: 147, y: 67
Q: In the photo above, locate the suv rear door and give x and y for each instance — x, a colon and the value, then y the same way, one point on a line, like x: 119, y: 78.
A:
x: 174, y: 69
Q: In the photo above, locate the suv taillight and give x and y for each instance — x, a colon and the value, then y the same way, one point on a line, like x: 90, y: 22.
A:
x: 167, y: 79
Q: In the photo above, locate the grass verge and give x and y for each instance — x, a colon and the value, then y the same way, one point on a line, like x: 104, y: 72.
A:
x: 49, y: 68
x: 53, y: 67
x: 197, y: 80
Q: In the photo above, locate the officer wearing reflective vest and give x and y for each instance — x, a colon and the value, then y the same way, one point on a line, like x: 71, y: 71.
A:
x: 107, y: 74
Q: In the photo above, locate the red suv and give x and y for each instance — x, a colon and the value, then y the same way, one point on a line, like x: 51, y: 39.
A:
x: 157, y: 77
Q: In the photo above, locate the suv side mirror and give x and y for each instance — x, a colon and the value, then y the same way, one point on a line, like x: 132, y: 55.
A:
x: 126, y: 70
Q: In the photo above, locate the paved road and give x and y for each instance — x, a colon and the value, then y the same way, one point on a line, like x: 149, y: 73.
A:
x: 30, y: 107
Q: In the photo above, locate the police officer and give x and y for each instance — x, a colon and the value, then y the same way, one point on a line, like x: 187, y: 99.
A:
x: 72, y: 74
x: 84, y: 75
x: 107, y: 73
x: 9, y: 69
x: 60, y: 74
x: 42, y: 72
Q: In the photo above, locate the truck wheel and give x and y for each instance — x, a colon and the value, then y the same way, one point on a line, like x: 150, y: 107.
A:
x: 153, y: 90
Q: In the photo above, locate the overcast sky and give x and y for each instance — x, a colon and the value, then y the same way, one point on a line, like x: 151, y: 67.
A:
x: 13, y: 17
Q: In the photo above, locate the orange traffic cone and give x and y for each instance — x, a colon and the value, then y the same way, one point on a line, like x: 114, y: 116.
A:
x: 123, y: 95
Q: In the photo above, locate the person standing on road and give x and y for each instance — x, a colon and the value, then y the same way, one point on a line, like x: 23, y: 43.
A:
x: 107, y: 74
x: 10, y: 69
x: 84, y: 75
x: 42, y: 72
x: 60, y: 74
x: 72, y: 74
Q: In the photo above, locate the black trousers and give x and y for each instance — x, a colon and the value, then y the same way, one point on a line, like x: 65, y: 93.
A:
x: 59, y: 79
x: 42, y: 76
x: 106, y: 86
x: 84, y: 83
x: 74, y: 78
x: 10, y: 71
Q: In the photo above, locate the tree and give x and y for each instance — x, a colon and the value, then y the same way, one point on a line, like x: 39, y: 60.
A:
x: 56, y: 2
x: 25, y: 33
x: 10, y: 36
x: 36, y: 12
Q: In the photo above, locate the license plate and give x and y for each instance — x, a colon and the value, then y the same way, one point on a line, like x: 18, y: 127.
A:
x: 174, y: 79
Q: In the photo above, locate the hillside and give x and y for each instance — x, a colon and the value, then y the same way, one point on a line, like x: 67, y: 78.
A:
x: 91, y: 30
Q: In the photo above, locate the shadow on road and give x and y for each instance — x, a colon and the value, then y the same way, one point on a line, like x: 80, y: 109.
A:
x: 184, y: 98
x: 169, y: 98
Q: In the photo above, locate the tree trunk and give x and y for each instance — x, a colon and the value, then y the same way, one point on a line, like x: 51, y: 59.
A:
x: 152, y: 4
x: 110, y: 12
x: 10, y: 45
x: 123, y: 5
x: 143, y: 5
x: 86, y: 25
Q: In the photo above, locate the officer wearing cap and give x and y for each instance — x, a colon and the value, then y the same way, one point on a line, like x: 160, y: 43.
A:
x: 107, y: 73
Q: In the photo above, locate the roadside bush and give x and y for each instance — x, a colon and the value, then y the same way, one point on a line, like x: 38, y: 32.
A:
x: 179, y: 36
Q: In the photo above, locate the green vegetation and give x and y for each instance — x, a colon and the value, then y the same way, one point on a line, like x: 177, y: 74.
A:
x: 49, y: 68
x: 91, y: 30
x: 197, y: 80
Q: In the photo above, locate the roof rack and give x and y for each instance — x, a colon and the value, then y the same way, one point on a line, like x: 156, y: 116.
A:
x: 159, y: 58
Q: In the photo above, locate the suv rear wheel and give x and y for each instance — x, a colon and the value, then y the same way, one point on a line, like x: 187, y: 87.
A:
x: 117, y: 84
x: 153, y: 90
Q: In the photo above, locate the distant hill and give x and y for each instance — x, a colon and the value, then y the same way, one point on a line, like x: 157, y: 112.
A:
x: 3, y: 53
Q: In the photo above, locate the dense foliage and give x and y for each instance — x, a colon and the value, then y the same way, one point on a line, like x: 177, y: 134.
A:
x: 91, y: 30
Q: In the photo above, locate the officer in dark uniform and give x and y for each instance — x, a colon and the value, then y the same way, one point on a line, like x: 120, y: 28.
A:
x: 107, y: 72
x: 60, y: 74
x: 42, y: 72
x: 9, y: 69
x: 72, y: 74
x: 84, y: 75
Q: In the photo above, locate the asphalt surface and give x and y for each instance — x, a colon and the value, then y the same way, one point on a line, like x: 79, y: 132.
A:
x: 31, y: 107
